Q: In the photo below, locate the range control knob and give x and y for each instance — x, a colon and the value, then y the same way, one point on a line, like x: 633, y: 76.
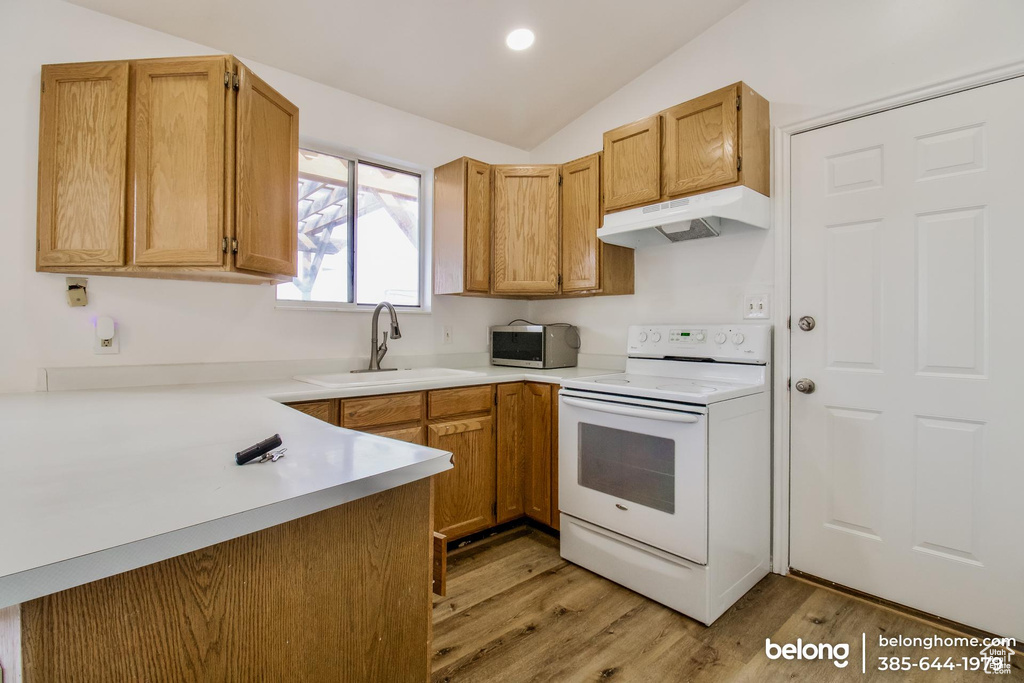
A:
x: 700, y: 336
x: 720, y: 338
x: 738, y: 338
x: 656, y: 337
x: 642, y: 337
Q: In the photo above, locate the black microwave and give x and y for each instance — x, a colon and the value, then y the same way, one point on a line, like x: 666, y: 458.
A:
x: 535, y: 346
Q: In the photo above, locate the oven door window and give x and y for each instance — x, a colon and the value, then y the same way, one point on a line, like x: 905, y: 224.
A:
x: 636, y: 467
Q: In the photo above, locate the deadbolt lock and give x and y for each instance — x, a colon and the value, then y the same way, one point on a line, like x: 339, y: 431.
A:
x: 805, y: 386
x: 806, y: 323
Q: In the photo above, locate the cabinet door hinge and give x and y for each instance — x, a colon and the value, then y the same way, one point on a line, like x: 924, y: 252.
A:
x: 42, y: 86
x: 559, y: 279
x: 234, y: 82
x: 224, y: 244
x: 739, y: 163
x: 38, y: 245
x: 494, y: 509
x: 737, y: 102
x: 559, y: 179
x: 234, y: 245
x: 227, y: 79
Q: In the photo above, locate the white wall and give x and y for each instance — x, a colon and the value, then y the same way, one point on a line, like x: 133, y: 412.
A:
x: 807, y: 57
x: 175, y: 322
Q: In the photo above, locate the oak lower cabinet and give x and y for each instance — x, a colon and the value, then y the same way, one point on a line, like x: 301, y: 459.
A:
x: 464, y: 497
x: 538, y: 450
x: 181, y: 168
x: 503, y: 438
x: 711, y: 142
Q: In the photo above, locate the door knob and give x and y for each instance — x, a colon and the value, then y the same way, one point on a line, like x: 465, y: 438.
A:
x: 805, y: 386
x: 806, y: 323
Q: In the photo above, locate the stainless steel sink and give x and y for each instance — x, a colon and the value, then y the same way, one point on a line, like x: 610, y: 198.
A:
x: 367, y: 379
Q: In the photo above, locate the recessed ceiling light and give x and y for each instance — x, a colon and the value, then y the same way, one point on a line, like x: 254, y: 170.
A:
x: 520, y: 39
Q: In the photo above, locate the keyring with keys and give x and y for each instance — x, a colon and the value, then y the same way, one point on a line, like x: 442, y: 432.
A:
x: 273, y: 456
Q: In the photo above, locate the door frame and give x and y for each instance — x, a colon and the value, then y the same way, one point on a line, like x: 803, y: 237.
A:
x: 782, y: 191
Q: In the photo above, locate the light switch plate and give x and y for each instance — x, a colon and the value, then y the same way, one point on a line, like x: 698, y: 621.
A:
x: 446, y: 334
x: 756, y: 307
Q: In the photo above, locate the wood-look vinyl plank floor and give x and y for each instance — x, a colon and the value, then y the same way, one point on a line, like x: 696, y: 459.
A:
x: 515, y: 611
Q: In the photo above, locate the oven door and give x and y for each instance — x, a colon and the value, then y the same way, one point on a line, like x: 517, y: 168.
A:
x: 639, y: 470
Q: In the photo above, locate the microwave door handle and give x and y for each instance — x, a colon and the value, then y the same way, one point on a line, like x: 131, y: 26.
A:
x: 629, y: 411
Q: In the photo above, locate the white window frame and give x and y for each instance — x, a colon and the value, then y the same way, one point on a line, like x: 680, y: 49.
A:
x: 425, y: 243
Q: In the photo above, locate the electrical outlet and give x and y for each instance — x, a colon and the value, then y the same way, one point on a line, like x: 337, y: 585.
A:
x: 106, y: 338
x: 756, y: 307
x: 446, y: 334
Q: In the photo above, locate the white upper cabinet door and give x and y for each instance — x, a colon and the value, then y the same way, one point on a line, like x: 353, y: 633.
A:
x: 908, y: 236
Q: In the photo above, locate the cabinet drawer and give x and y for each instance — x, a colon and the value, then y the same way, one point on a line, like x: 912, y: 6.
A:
x: 416, y: 435
x: 461, y: 401
x: 321, y: 410
x: 378, y: 411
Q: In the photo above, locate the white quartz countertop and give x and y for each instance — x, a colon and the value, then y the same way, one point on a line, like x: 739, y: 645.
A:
x: 95, y: 483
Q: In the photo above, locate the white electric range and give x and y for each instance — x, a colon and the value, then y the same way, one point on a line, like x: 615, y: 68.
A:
x: 665, y: 469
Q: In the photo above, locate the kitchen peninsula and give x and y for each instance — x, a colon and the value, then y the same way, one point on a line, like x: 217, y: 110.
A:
x: 134, y: 548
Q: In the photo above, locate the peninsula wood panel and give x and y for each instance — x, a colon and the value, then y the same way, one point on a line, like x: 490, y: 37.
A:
x: 443, y: 403
x: 632, y: 159
x: 581, y: 217
x: 537, y: 451
x: 379, y: 411
x: 478, y: 226
x: 177, y: 157
x: 510, y: 451
x: 526, y: 231
x: 701, y: 143
x: 340, y: 595
x: 83, y: 137
x: 464, y: 497
x: 267, y: 178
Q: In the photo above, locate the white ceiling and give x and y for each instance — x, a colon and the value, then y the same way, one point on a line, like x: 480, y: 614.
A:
x: 446, y: 60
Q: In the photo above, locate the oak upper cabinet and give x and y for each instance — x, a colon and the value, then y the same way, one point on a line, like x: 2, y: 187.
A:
x: 537, y: 448
x: 464, y: 497
x: 714, y: 141
x: 525, y: 230
x: 178, y: 127
x: 173, y: 168
x: 511, y: 443
x: 83, y: 136
x: 711, y: 142
x: 267, y: 178
x: 632, y: 156
x: 462, y: 227
x: 588, y: 264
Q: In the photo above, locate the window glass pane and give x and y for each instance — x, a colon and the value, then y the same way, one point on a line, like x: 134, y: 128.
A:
x: 636, y: 467
x: 388, y: 236
x: 323, y: 231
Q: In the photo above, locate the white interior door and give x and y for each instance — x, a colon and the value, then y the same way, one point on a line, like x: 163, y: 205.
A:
x: 908, y: 251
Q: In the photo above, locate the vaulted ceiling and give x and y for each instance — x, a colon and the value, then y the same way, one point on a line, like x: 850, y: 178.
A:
x: 446, y: 60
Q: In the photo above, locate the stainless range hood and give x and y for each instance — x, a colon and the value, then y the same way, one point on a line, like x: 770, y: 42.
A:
x: 702, y: 215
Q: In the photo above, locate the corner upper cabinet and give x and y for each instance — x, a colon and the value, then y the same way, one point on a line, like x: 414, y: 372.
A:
x: 526, y: 230
x: 632, y: 155
x: 181, y: 168
x: 714, y: 141
x: 588, y: 265
x: 83, y: 136
x: 462, y: 227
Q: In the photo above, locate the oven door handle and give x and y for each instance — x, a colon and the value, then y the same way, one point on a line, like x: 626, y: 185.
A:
x: 629, y: 411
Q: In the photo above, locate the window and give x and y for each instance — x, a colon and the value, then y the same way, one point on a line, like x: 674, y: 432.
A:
x: 360, y: 248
